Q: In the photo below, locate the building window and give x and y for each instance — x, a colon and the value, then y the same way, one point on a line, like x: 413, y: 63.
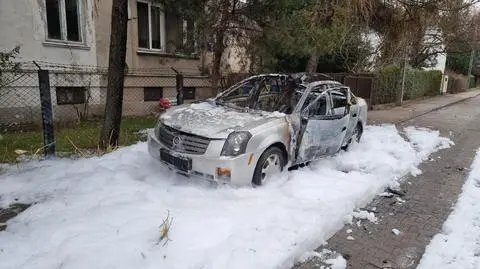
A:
x: 189, y: 93
x: 71, y: 95
x: 187, y: 33
x: 151, y: 26
x: 152, y: 94
x: 64, y: 20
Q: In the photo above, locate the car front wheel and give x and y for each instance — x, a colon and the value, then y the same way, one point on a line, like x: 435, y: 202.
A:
x: 271, y: 162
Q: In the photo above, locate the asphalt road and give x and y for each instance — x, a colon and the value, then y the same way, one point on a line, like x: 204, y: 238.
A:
x: 428, y: 198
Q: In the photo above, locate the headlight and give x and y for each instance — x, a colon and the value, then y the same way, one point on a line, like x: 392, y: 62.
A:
x: 157, y: 129
x: 236, y: 143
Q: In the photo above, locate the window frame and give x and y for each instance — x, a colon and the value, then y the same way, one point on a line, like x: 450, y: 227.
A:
x: 184, y: 89
x: 152, y: 88
x: 320, y: 91
x: 185, y: 34
x: 163, y: 34
x: 339, y: 89
x: 63, y: 24
x: 65, y: 89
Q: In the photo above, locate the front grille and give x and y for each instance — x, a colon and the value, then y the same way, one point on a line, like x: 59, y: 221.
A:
x: 182, y: 142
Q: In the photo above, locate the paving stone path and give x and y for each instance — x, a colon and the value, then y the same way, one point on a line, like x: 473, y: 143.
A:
x: 423, y: 205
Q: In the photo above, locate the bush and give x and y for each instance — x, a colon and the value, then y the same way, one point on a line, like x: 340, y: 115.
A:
x: 472, y: 82
x: 421, y: 83
x: 387, y: 84
x: 418, y: 83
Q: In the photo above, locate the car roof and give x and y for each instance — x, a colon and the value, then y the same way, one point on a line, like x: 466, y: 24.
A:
x: 303, y: 78
x: 323, y: 82
x: 306, y: 78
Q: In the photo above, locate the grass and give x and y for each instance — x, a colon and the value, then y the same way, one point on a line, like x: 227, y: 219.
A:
x: 83, y: 136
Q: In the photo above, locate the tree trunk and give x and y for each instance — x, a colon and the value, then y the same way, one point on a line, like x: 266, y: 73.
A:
x: 116, y: 72
x: 219, y: 48
x: 312, y: 63
x: 217, y: 59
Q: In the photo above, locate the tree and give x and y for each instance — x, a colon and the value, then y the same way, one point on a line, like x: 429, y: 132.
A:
x: 223, y: 23
x: 420, y: 30
x: 316, y: 29
x: 8, y: 64
x: 116, y: 72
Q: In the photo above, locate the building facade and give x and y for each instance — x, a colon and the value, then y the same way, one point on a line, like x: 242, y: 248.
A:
x: 160, y: 43
x: 53, y: 34
x: 71, y: 39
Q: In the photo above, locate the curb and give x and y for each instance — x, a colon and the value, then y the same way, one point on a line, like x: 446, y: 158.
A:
x: 437, y: 108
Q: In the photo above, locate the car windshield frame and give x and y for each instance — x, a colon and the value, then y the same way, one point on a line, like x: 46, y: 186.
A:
x: 253, y: 95
x: 305, y: 89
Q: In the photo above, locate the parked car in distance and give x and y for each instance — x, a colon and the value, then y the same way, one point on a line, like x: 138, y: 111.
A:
x: 258, y: 127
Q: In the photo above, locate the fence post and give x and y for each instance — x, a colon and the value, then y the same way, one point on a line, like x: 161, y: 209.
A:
x: 179, y: 86
x: 373, y: 93
x: 399, y: 99
x: 47, y: 115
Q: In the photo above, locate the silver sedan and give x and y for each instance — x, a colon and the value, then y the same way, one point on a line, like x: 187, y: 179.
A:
x: 258, y: 127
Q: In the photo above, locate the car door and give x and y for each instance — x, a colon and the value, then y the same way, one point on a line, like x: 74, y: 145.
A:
x: 354, y: 114
x: 342, y: 106
x: 322, y: 131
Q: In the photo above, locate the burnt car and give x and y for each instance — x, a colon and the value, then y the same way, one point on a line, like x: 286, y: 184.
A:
x: 258, y: 127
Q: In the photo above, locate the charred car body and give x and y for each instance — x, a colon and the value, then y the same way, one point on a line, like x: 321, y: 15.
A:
x: 258, y: 127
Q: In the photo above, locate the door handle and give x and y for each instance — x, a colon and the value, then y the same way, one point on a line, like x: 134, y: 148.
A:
x: 344, y: 128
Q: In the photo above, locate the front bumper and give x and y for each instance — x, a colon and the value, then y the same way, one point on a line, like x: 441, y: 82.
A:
x: 205, y: 166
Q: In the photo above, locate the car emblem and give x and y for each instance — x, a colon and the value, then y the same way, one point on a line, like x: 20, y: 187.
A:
x: 177, y: 140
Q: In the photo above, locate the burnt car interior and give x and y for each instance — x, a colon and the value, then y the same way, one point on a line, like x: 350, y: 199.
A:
x: 268, y: 93
x: 282, y: 93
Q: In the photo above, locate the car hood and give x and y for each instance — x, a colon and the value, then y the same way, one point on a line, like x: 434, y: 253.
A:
x: 213, y: 121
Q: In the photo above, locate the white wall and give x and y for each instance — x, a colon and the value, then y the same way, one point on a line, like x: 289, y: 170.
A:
x: 23, y: 22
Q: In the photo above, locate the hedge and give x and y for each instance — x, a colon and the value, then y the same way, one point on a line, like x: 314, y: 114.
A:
x: 418, y: 83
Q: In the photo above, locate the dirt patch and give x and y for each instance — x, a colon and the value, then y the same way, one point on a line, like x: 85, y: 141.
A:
x: 12, y: 211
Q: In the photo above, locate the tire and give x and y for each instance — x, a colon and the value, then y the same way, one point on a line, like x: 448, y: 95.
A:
x: 262, y: 171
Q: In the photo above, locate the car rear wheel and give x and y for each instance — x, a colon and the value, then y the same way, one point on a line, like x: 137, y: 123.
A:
x: 271, y: 162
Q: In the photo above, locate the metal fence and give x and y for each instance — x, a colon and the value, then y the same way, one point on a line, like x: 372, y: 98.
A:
x: 79, y: 93
x: 362, y: 85
x: 41, y: 98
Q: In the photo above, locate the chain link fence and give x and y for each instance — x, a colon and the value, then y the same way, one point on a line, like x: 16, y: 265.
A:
x: 70, y: 100
x: 79, y: 93
x: 19, y: 100
x: 73, y: 103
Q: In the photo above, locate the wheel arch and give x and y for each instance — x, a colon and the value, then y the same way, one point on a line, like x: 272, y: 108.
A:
x: 360, y: 122
x: 282, y: 147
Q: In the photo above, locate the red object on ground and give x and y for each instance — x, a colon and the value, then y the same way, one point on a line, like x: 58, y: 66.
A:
x: 165, y: 103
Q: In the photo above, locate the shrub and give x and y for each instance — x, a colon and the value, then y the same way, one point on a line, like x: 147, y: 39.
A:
x: 418, y: 83
x: 387, y: 84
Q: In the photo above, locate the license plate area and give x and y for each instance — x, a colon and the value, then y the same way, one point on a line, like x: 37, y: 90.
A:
x: 181, y: 163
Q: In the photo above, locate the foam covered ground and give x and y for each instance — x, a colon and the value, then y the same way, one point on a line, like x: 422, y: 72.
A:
x: 105, y: 212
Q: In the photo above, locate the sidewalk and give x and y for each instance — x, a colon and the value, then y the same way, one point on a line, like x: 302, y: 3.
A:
x: 406, y: 220
x: 416, y: 108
